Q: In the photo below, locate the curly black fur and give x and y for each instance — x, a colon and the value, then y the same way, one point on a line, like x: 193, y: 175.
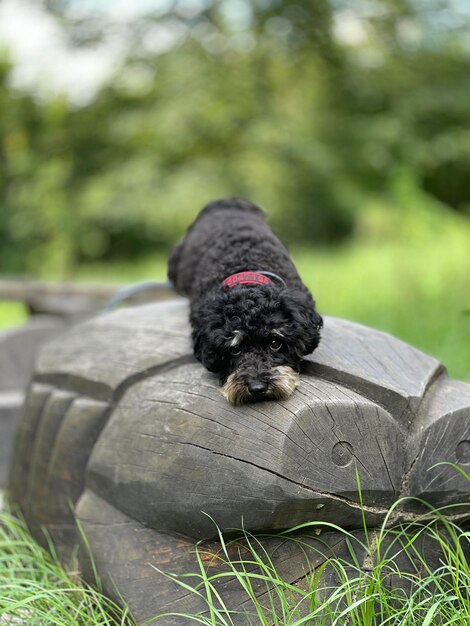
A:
x: 252, y: 336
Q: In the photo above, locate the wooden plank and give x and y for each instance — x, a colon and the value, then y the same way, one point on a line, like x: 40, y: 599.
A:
x: 24, y: 290
x: 78, y: 300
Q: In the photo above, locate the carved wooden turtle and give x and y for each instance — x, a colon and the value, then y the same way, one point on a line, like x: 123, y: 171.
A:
x: 124, y: 430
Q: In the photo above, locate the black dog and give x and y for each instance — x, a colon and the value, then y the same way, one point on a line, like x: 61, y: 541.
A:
x: 252, y: 317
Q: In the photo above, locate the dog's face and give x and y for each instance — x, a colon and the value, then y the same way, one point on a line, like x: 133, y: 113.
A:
x: 254, y: 337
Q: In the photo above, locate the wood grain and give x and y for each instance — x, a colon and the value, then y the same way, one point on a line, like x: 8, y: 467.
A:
x: 18, y: 348
x: 124, y: 430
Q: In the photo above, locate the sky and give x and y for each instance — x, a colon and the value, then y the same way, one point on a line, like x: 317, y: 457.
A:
x: 43, y: 59
x: 45, y: 63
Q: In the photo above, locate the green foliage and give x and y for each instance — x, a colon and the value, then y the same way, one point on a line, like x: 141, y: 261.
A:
x: 414, y: 286
x: 276, y: 106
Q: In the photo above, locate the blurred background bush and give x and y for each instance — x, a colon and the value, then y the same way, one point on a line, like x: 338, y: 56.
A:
x: 347, y: 120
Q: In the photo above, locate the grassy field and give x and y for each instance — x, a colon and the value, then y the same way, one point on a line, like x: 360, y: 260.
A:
x: 419, y: 293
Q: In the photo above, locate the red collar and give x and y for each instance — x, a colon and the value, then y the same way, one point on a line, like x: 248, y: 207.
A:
x: 246, y: 278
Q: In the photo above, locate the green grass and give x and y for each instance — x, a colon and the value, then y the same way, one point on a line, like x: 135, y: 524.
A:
x: 37, y: 591
x: 12, y: 314
x: 420, y: 294
x: 357, y: 596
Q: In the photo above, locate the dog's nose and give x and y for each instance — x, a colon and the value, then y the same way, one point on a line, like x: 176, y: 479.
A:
x: 257, y: 388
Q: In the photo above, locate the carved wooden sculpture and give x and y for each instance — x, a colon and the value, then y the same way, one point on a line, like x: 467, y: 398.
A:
x: 126, y: 431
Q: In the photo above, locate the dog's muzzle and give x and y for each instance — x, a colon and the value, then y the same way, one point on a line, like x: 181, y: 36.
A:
x: 282, y: 382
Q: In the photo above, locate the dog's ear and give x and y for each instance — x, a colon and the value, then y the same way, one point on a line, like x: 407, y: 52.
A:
x: 205, y: 341
x: 204, y: 351
x: 315, y: 324
x: 306, y: 323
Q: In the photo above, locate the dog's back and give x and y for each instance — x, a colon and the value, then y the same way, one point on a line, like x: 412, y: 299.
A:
x: 208, y: 235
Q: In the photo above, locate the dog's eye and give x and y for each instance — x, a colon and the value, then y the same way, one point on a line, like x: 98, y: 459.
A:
x: 275, y: 345
x: 235, y: 350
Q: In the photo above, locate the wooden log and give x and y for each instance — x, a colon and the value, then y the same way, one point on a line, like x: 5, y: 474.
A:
x: 126, y: 431
x: 77, y: 300
x: 22, y: 290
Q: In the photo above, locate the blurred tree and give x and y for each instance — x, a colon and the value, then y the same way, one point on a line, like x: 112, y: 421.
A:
x: 310, y: 109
